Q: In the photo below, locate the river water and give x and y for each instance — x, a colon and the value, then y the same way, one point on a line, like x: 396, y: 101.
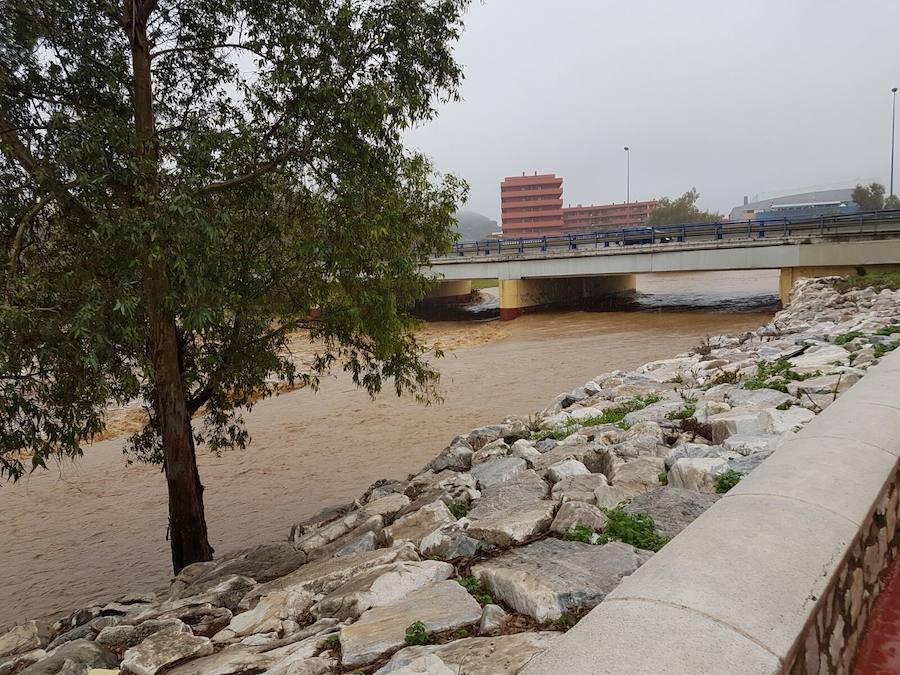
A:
x: 96, y: 529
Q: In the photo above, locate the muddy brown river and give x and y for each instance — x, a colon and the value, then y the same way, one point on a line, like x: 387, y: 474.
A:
x: 96, y: 529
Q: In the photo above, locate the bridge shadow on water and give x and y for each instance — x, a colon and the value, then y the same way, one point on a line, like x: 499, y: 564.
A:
x: 485, y: 305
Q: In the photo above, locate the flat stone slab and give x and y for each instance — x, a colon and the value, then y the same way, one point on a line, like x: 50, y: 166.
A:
x: 697, y: 473
x: 164, y: 649
x: 497, y: 470
x: 380, y: 586
x: 820, y: 358
x: 578, y: 488
x: 23, y: 638
x: 73, y: 657
x: 671, y: 508
x: 515, y: 524
x: 324, y: 576
x: 413, y: 526
x: 501, y: 655
x: 759, y: 398
x: 525, y: 487
x: 549, y: 577
x: 442, y: 606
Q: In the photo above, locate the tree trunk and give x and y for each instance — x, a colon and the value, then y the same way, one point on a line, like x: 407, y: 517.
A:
x: 187, y: 522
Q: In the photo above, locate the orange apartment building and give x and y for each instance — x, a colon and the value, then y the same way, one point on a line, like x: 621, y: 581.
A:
x: 532, y: 206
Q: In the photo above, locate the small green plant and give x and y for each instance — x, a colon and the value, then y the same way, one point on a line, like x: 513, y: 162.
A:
x: 776, y: 375
x: 875, y: 280
x: 688, y: 410
x: 889, y: 330
x: 416, y: 634
x: 611, y: 416
x: 476, y: 590
x: 333, y: 641
x: 727, y: 480
x: 844, y: 338
x: 579, y: 532
x: 663, y: 478
x: 563, y: 622
x: 637, y: 530
x: 458, y: 509
x: 881, y: 350
x: 624, y: 426
x: 677, y: 378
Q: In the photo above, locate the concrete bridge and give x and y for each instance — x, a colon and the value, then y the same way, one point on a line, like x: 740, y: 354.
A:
x: 548, y: 271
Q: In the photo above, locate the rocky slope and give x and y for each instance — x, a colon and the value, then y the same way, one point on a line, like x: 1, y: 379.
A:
x: 476, y: 563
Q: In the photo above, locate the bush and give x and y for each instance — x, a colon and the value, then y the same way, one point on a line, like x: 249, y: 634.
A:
x: 844, y: 338
x: 727, y: 480
x: 458, y: 509
x: 637, y: 530
x: 416, y: 634
x: 579, y: 532
x: 881, y: 350
x: 476, y: 590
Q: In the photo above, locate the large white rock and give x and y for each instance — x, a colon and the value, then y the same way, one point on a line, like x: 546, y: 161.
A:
x: 793, y: 419
x: 500, y: 655
x: 23, y: 638
x: 289, y: 604
x: 164, y: 649
x: 449, y: 542
x: 697, y: 473
x: 497, y: 470
x: 387, y: 505
x: 514, y: 525
x: 525, y: 450
x: 525, y: 487
x: 820, y: 358
x: 549, y: 577
x: 440, y: 607
x: 578, y: 488
x: 609, y: 496
x: 381, y: 586
x: 565, y: 469
x: 759, y: 398
x: 653, y: 413
x: 748, y: 445
x: 643, y: 471
x: 571, y: 514
x: 413, y: 526
x: 743, y: 420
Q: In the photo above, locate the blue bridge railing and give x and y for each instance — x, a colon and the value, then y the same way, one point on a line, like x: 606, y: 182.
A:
x: 863, y: 223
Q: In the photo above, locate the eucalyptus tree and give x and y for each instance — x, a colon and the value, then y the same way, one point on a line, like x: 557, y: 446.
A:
x: 183, y: 186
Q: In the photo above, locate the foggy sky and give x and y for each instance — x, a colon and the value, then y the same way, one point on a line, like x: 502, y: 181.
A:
x: 732, y: 98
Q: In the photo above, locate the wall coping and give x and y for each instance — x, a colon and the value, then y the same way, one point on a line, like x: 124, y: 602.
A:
x: 736, y: 591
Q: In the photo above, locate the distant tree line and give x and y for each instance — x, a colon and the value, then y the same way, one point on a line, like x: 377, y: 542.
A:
x: 871, y: 198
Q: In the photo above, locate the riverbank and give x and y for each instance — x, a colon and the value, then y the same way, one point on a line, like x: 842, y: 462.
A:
x: 501, y: 502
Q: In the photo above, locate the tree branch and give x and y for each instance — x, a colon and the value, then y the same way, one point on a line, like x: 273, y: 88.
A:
x: 271, y: 165
x: 205, y: 48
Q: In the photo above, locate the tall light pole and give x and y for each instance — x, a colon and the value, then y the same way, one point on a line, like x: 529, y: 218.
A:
x: 628, y: 174
x: 893, y: 127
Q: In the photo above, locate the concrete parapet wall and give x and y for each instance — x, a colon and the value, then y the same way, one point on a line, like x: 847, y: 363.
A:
x: 779, y: 576
x: 518, y: 296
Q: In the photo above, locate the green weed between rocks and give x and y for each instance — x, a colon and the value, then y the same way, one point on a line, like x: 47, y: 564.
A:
x: 687, y: 411
x: 416, y: 634
x: 875, y: 280
x: 881, y: 350
x: 663, y: 478
x: 727, y: 480
x: 458, y: 509
x: 889, y: 330
x: 844, y: 338
x: 333, y: 641
x: 611, y: 416
x: 579, y: 532
x: 564, y: 622
x: 476, y: 590
x: 776, y: 375
x: 637, y: 530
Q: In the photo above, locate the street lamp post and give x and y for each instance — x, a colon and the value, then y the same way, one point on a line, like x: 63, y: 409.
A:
x: 893, y: 127
x: 628, y: 174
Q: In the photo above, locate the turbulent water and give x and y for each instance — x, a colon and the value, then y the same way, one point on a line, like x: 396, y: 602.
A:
x: 96, y: 529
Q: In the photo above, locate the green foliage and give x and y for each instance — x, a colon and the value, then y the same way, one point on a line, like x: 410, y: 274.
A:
x: 333, y: 641
x: 416, y: 634
x: 663, y: 478
x: 727, y: 480
x: 888, y: 330
x: 611, y: 416
x: 637, y: 530
x: 458, y: 509
x: 869, y: 197
x: 476, y: 590
x: 876, y: 280
x: 184, y: 186
x: 579, y: 532
x: 624, y: 426
x: 844, y: 338
x: 681, y: 210
x: 562, y: 623
x: 881, y: 350
x: 776, y: 375
x: 892, y: 202
x: 677, y: 378
x: 688, y: 410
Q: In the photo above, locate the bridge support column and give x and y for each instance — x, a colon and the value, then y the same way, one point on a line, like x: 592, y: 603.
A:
x: 789, y: 275
x: 450, y: 292
x: 518, y: 296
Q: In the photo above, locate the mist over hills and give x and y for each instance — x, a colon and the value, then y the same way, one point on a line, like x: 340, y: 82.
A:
x: 473, y: 225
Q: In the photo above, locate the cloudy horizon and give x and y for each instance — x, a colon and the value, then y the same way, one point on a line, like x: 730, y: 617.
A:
x: 760, y: 99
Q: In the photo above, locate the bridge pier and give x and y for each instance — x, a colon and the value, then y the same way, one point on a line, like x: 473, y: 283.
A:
x: 448, y: 292
x: 791, y: 274
x: 518, y: 296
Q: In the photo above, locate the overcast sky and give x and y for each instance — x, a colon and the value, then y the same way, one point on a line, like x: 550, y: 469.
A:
x: 733, y: 98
